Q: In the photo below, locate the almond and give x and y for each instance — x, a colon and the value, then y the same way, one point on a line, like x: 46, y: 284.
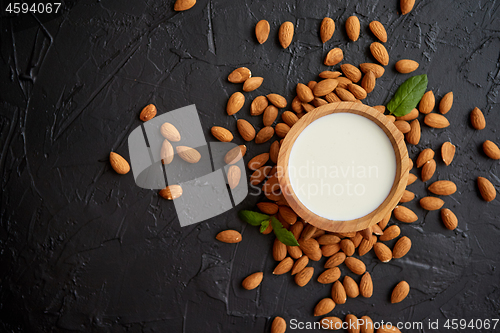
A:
x: 274, y: 151
x: 424, y: 156
x: 413, y: 136
x: 491, y: 150
x: 309, y: 247
x: 235, y: 154
x: 333, y: 57
x: 282, y: 129
x: 403, y: 126
x: 182, y: 5
x: 118, y: 163
x: 447, y: 152
x: 262, y: 29
x: 347, y: 246
x: 355, y: 265
x: 410, y: 116
x: 278, y: 325
x: 379, y: 108
x: 388, y: 328
x: 246, y: 130
x: 338, y: 293
x: 352, y: 28
x: 351, y: 72
x: 330, y: 250
x: 285, y: 34
x: 148, y: 113
x: 428, y: 170
x: 258, y: 161
x: 188, y: 154
x: 221, y: 134
x: 400, y: 292
x: 406, y: 6
x: 303, y: 277
x: 427, y: 103
x: 443, y: 187
x: 327, y: 29
x: 270, y: 115
x: 367, y: 325
x: 335, y: 260
x: 351, y: 287
x: 390, y: 117
x: 294, y: 251
x: 450, y: 220
x: 279, y: 250
x: 329, y: 74
x: 171, y: 192
x: 446, y: 103
x: 435, y: 120
x: 329, y: 276
x: 356, y: 240
x: 357, y: 91
x: 166, y: 152
x: 324, y: 87
x: 297, y: 105
x: 431, y: 203
x: 366, y: 245
x: 405, y: 66
x: 343, y: 82
x: 288, y: 214
x: 289, y: 118
x: 268, y: 208
x: 307, y: 107
x: 235, y: 103
x: 277, y: 100
x: 382, y: 252
x: 233, y: 176
x: 383, y: 223
x: 345, y: 95
x: 252, y: 83
x: 317, y: 102
x: 252, y: 281
x: 239, y: 75
x: 308, y: 231
x: 477, y: 119
x: 259, y: 175
x: 401, y: 248
x: 300, y: 264
x: 486, y: 188
x: 304, y: 93
x: 353, y: 323
x: 229, y: 236
x: 368, y: 82
x: 328, y: 239
x: 284, y: 266
x: 169, y: 132
x: 379, y: 52
x: 366, y: 285
x: 259, y: 104
x: 404, y: 214
x: 410, y: 163
x: 331, y: 323
x: 326, y: 305
x: 378, y: 30
x: 264, y: 135
x: 332, y: 98
x: 375, y: 68
x: 390, y: 233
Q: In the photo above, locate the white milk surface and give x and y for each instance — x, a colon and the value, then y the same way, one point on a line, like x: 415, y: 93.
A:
x: 342, y: 166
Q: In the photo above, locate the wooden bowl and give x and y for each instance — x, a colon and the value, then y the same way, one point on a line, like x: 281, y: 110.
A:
x: 398, y: 187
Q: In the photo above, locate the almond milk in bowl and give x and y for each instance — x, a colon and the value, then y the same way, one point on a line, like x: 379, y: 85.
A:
x: 343, y: 167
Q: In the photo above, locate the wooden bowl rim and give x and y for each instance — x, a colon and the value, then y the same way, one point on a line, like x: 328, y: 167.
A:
x: 397, y: 189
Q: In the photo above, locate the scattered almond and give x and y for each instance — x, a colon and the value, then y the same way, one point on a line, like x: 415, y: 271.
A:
x: 252, y: 281
x: 443, y: 187
x: 406, y: 66
x: 343, y: 82
x: 378, y: 30
x: 281, y: 129
x: 382, y: 252
x: 304, y: 93
x: 289, y: 118
x: 355, y: 265
x: 274, y: 151
x: 400, y: 292
x: 329, y: 276
x: 166, y: 152
x: 347, y: 246
x: 357, y: 91
x: 235, y: 154
x: 366, y: 245
x: 368, y: 82
x: 413, y: 136
x: 367, y: 325
x: 235, y: 103
x: 288, y: 214
x: 233, y: 176
x: 427, y: 103
x: 403, y: 126
x: 277, y: 100
x: 351, y: 72
x: 327, y: 29
x: 390, y: 233
x: 279, y: 250
x: 259, y: 104
x: 170, y: 132
x: 379, y: 52
x: 262, y: 29
x: 268, y: 208
x: 450, y: 220
x: 278, y: 325
x: 424, y: 156
x: 300, y: 264
x: 401, y: 248
x: 303, y: 277
x: 383, y: 223
x: 284, y: 266
x: 431, y: 203
x: 285, y: 34
x: 366, y: 285
x: 375, y: 68
x: 329, y: 74
x: 258, y: 161
x: 264, y: 135
x: 221, y: 134
x: 351, y: 287
x: 447, y: 152
x: 171, y: 192
x: 148, y: 113
x: 324, y: 87
x: 491, y: 150
x: 477, y: 119
x: 428, y: 170
x: 407, y: 196
x: 379, y: 108
x: 182, y: 5
x: 245, y: 129
x: 446, y: 103
x: 326, y: 305
x: 353, y: 323
x: 188, y: 154
x: 239, y: 75
x: 335, y: 260
x: 404, y: 214
x: 436, y: 120
x: 410, y: 116
x: 118, y: 163
x: 352, y: 28
x: 270, y: 115
x: 333, y: 57
x: 331, y: 323
x: 229, y: 236
x: 338, y: 293
x: 406, y: 6
x: 252, y: 83
x: 345, y: 94
x: 486, y: 188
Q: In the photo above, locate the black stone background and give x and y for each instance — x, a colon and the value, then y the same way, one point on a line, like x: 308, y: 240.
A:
x: 84, y: 249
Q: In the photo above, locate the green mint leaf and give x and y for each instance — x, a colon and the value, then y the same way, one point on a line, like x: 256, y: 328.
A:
x: 252, y: 218
x: 408, y: 95
x: 284, y: 236
x: 264, y: 225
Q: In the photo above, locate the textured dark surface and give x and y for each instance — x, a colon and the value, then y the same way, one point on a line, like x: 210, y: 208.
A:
x: 85, y: 249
